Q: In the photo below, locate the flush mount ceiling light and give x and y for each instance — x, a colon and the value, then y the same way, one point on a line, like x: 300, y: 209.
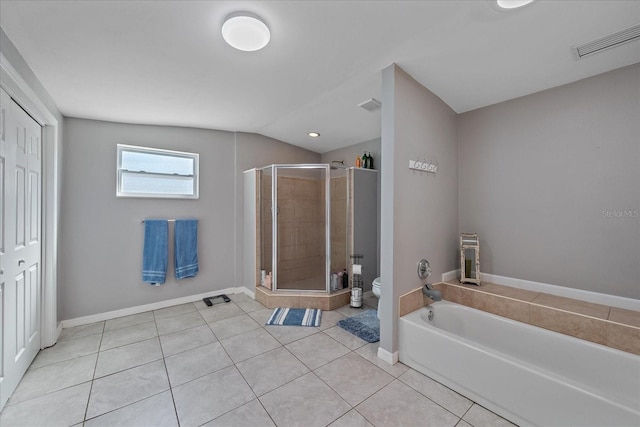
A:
x: 245, y: 31
x: 512, y: 4
x: 314, y: 134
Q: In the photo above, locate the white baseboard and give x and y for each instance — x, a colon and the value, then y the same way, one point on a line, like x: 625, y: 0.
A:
x: 561, y: 291
x: 450, y: 275
x: 385, y: 356
x: 147, y: 307
x: 247, y: 292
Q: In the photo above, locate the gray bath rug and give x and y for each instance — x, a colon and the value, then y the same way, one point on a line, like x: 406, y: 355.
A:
x: 365, y: 325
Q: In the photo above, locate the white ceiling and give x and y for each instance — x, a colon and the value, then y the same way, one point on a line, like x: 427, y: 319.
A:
x: 164, y: 62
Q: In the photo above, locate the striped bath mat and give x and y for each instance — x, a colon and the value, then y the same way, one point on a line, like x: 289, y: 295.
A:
x: 295, y: 317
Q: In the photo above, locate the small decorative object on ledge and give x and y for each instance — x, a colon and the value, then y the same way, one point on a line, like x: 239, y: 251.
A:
x: 470, y: 258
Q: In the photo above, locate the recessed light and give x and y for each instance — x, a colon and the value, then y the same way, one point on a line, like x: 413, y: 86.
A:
x: 245, y: 31
x: 512, y: 4
x: 314, y: 134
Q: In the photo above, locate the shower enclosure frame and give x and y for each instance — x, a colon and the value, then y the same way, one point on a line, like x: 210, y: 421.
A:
x: 274, y: 220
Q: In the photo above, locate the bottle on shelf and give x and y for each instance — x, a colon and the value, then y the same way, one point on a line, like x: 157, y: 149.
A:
x: 358, y: 162
x: 369, y: 160
x: 365, y: 161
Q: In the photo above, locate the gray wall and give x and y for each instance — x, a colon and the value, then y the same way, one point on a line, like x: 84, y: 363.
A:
x: 254, y: 151
x: 551, y: 182
x: 101, y: 242
x: 349, y: 154
x: 419, y: 210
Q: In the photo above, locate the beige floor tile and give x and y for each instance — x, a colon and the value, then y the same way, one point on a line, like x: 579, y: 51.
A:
x: 222, y: 311
x: 245, y: 346
x: 169, y: 325
x: 67, y: 350
x: 270, y: 370
x: 208, y: 397
x: 442, y: 395
x: 174, y: 310
x: 250, y: 414
x: 246, y: 303
x: 125, y: 321
x: 156, y: 411
x: 351, y: 419
x: 186, y: 340
x: 317, y: 350
x: 233, y: 326
x: 289, y: 404
x: 129, y: 335
x: 61, y: 408
x: 370, y: 352
x: 128, y: 356
x: 81, y: 331
x: 53, y: 377
x: 353, y: 377
x: 400, y: 405
x: 330, y: 319
x: 124, y: 388
x: 289, y: 334
x: 345, y: 338
x: 262, y: 316
x: 196, y: 363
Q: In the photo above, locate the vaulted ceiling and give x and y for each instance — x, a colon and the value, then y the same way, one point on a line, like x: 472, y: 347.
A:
x: 164, y: 62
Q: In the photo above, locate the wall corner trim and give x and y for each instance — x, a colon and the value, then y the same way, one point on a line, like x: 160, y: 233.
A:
x: 385, y: 356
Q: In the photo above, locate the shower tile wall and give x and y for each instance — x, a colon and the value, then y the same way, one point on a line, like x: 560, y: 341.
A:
x: 264, y: 233
x: 301, y: 232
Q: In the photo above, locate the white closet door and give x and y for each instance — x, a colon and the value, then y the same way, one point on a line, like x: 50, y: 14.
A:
x: 20, y: 242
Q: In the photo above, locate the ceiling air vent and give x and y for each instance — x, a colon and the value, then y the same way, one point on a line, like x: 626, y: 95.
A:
x: 612, y: 40
x: 371, y: 105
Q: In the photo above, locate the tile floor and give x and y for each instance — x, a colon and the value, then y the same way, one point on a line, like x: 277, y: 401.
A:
x: 192, y: 365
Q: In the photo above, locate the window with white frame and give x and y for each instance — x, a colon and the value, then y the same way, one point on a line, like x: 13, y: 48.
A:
x: 151, y: 172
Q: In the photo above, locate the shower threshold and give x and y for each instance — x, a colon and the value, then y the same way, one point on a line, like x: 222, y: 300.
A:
x: 293, y: 299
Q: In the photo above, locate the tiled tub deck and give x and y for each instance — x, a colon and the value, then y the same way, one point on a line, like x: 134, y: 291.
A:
x: 611, y: 326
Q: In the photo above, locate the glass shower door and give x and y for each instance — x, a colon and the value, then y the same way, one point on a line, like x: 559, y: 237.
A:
x: 301, y: 234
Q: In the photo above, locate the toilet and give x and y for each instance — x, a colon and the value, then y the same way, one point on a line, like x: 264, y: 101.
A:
x: 376, y: 291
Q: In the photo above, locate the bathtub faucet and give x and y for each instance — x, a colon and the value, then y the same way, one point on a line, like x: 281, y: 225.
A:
x: 424, y: 271
x: 431, y: 293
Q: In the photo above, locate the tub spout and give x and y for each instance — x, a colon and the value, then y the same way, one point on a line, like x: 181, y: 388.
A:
x: 431, y: 293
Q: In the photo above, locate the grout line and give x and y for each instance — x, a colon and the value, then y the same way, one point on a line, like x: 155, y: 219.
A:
x: 166, y: 370
x: 93, y: 377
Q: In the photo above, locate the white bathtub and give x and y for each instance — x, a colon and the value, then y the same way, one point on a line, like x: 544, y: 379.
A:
x: 529, y: 375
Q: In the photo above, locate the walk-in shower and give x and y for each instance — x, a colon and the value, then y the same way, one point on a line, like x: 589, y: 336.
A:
x: 308, y: 230
x: 299, y: 225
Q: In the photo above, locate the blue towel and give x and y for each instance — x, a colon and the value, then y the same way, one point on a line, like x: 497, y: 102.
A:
x: 155, y: 251
x: 186, y: 248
